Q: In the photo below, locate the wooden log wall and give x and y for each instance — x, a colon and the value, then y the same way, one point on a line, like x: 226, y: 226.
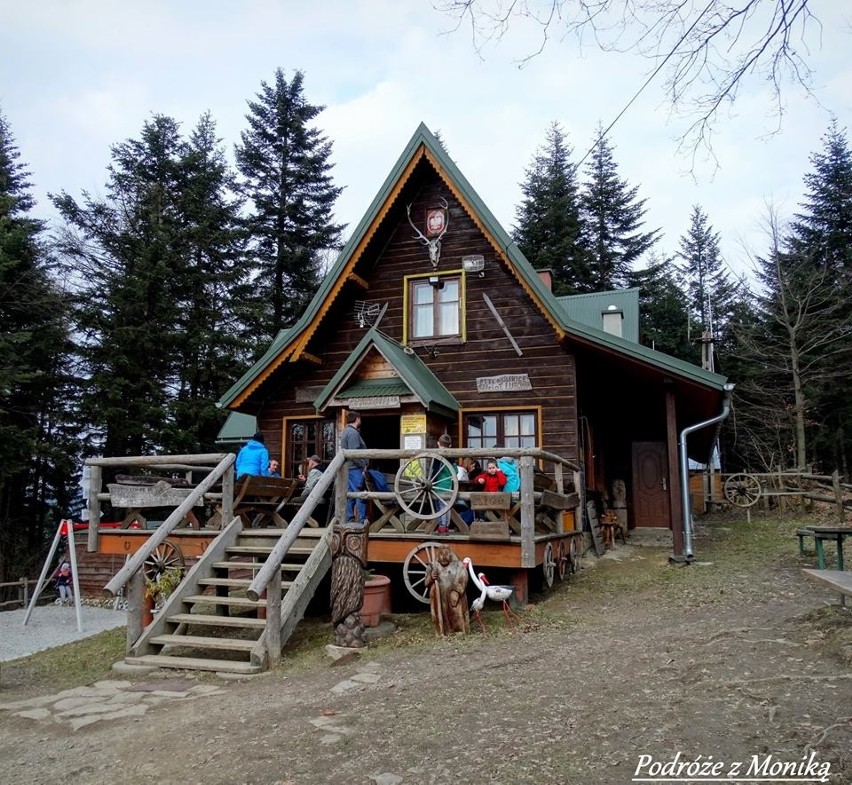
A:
x: 486, y: 352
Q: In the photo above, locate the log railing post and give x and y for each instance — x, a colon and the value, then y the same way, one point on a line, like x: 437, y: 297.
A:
x: 135, y: 602
x: 838, y: 495
x: 527, y: 513
x: 94, y: 507
x: 273, y: 620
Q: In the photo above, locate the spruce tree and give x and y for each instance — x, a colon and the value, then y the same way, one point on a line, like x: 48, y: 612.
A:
x: 612, y: 216
x: 124, y: 254
x: 709, y: 288
x: 548, y: 226
x: 212, y: 343
x: 664, y: 320
x: 820, y: 244
x: 36, y: 453
x: 285, y: 165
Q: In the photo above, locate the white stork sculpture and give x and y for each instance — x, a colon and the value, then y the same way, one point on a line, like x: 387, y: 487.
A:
x: 489, y: 592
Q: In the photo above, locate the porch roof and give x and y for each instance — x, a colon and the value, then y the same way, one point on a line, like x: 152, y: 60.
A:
x: 413, y: 377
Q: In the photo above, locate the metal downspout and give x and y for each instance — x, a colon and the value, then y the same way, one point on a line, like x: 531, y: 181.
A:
x: 684, y: 468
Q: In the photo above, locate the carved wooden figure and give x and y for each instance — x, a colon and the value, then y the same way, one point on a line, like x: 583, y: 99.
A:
x: 447, y: 582
x: 349, y: 558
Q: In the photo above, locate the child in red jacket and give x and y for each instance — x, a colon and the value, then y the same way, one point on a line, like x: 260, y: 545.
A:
x: 492, y: 479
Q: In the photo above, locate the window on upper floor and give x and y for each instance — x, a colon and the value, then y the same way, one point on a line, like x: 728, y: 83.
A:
x: 435, y: 308
x: 501, y: 429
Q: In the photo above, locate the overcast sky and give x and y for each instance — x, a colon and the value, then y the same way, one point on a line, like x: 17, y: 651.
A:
x: 81, y: 75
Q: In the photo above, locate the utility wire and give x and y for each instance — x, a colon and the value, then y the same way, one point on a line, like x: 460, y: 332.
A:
x: 647, y: 81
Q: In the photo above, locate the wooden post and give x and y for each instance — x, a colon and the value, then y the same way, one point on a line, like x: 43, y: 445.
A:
x: 341, y: 487
x: 678, y: 514
x: 228, y: 496
x: 26, y: 593
x: 135, y: 600
x: 94, y: 507
x: 838, y: 498
x: 527, y: 513
x: 273, y: 620
x: 558, y: 478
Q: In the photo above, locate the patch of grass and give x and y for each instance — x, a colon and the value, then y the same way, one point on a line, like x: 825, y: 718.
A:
x: 62, y: 667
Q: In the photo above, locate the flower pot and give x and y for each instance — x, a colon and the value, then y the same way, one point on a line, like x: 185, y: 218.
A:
x: 377, y: 600
x: 147, y: 608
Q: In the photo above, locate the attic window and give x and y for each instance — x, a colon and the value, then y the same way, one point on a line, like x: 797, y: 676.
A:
x: 434, y: 310
x: 613, y: 318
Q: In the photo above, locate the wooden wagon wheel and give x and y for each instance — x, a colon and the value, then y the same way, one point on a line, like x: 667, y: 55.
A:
x: 561, y: 558
x: 415, y: 486
x: 742, y: 490
x: 574, y: 554
x: 166, y: 557
x: 548, y: 566
x: 415, y: 567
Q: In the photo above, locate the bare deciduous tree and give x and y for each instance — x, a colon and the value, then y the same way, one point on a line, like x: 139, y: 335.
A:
x: 704, y: 50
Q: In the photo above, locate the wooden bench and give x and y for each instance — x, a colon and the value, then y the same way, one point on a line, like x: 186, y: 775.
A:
x: 839, y: 580
x: 838, y: 534
x: 258, y: 500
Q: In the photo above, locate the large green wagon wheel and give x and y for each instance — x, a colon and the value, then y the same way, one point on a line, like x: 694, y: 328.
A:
x: 742, y: 490
x: 415, y: 568
x: 426, y: 486
x: 166, y: 557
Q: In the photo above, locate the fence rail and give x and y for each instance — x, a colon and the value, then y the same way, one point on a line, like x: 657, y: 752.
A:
x: 22, y: 587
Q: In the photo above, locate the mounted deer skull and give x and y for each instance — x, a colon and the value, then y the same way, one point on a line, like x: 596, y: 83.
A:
x: 433, y: 244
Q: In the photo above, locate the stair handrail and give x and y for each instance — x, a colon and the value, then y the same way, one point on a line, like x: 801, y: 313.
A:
x: 136, y: 561
x: 276, y: 556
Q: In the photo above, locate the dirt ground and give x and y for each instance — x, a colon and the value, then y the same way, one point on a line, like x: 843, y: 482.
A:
x: 735, y: 657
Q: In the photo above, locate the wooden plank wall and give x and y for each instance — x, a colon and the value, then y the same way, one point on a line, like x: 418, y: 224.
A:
x: 487, y: 351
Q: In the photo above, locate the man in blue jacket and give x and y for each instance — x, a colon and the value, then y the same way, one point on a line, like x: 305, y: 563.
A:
x: 351, y: 439
x: 253, y: 458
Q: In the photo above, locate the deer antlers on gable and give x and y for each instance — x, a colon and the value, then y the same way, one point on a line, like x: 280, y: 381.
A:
x: 434, y: 245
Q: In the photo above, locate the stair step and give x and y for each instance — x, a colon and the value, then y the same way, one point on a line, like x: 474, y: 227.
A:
x: 253, y: 565
x: 212, y: 599
x: 296, y: 550
x: 275, y: 534
x: 193, y: 663
x: 217, y: 621
x: 236, y: 583
x: 204, y: 642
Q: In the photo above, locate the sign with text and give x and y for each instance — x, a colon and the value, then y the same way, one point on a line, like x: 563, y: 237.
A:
x: 507, y: 382
x: 412, y: 423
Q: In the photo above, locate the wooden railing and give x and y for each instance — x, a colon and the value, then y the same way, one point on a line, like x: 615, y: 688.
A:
x: 224, y: 470
x: 171, y: 463
x: 22, y: 587
x: 527, y: 459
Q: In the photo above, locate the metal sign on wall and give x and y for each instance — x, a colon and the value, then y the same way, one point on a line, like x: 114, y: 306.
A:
x: 507, y: 382
x: 376, y: 402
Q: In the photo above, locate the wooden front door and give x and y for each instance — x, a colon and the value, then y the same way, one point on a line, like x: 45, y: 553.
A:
x: 650, y: 485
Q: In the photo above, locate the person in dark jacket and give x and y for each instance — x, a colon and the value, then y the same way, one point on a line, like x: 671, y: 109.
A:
x: 351, y: 439
x: 253, y: 458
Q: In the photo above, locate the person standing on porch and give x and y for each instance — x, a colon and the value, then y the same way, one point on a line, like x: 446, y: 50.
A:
x: 253, y: 458
x: 351, y: 439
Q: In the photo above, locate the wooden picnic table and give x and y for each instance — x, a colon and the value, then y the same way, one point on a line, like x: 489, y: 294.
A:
x: 839, y: 580
x: 838, y: 534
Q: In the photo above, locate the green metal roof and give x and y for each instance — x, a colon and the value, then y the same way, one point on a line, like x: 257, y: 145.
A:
x: 576, y: 330
x: 415, y: 378
x: 237, y: 428
x: 367, y: 388
x: 589, y: 309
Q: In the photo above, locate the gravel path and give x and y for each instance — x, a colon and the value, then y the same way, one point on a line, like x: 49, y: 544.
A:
x: 51, y: 625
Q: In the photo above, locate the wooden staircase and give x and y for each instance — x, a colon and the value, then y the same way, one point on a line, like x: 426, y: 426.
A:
x: 210, y: 624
